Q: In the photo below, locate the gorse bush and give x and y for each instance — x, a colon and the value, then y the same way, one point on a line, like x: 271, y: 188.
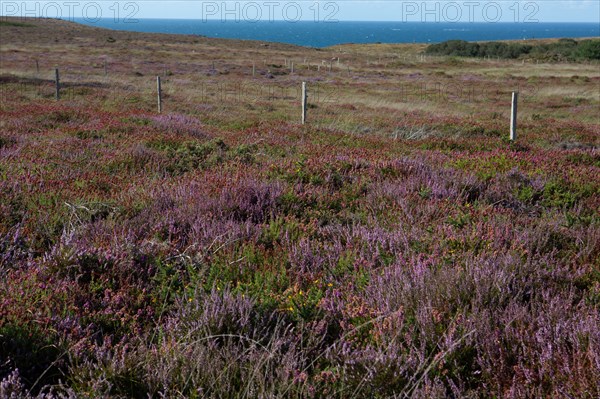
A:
x: 589, y: 49
x: 564, y: 49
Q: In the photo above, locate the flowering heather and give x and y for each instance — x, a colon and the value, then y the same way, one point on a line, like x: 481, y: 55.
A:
x: 222, y: 250
x: 180, y: 124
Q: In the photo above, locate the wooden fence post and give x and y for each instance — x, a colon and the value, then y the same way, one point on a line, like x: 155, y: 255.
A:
x: 513, y: 116
x: 57, y: 81
x: 158, y: 88
x: 304, y: 102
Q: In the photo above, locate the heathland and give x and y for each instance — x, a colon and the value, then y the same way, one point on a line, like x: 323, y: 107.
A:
x: 396, y: 245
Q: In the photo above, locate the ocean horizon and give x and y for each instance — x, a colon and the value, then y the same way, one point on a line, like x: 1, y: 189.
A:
x: 324, y: 34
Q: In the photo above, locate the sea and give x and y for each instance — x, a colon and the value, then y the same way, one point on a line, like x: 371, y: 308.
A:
x: 324, y: 34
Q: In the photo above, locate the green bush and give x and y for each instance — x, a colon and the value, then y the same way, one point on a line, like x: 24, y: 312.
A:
x: 589, y: 49
x: 564, y: 49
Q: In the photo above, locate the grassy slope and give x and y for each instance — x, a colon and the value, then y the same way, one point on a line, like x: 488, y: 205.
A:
x: 395, y: 244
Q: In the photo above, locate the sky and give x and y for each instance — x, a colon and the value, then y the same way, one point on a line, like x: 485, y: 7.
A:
x: 323, y: 11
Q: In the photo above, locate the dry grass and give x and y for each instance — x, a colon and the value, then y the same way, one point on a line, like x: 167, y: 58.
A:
x: 372, y: 78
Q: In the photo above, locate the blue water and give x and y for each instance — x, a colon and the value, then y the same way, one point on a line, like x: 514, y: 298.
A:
x: 323, y: 34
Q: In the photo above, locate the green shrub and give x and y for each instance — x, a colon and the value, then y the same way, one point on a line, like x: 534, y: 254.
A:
x: 564, y: 49
x: 589, y: 50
